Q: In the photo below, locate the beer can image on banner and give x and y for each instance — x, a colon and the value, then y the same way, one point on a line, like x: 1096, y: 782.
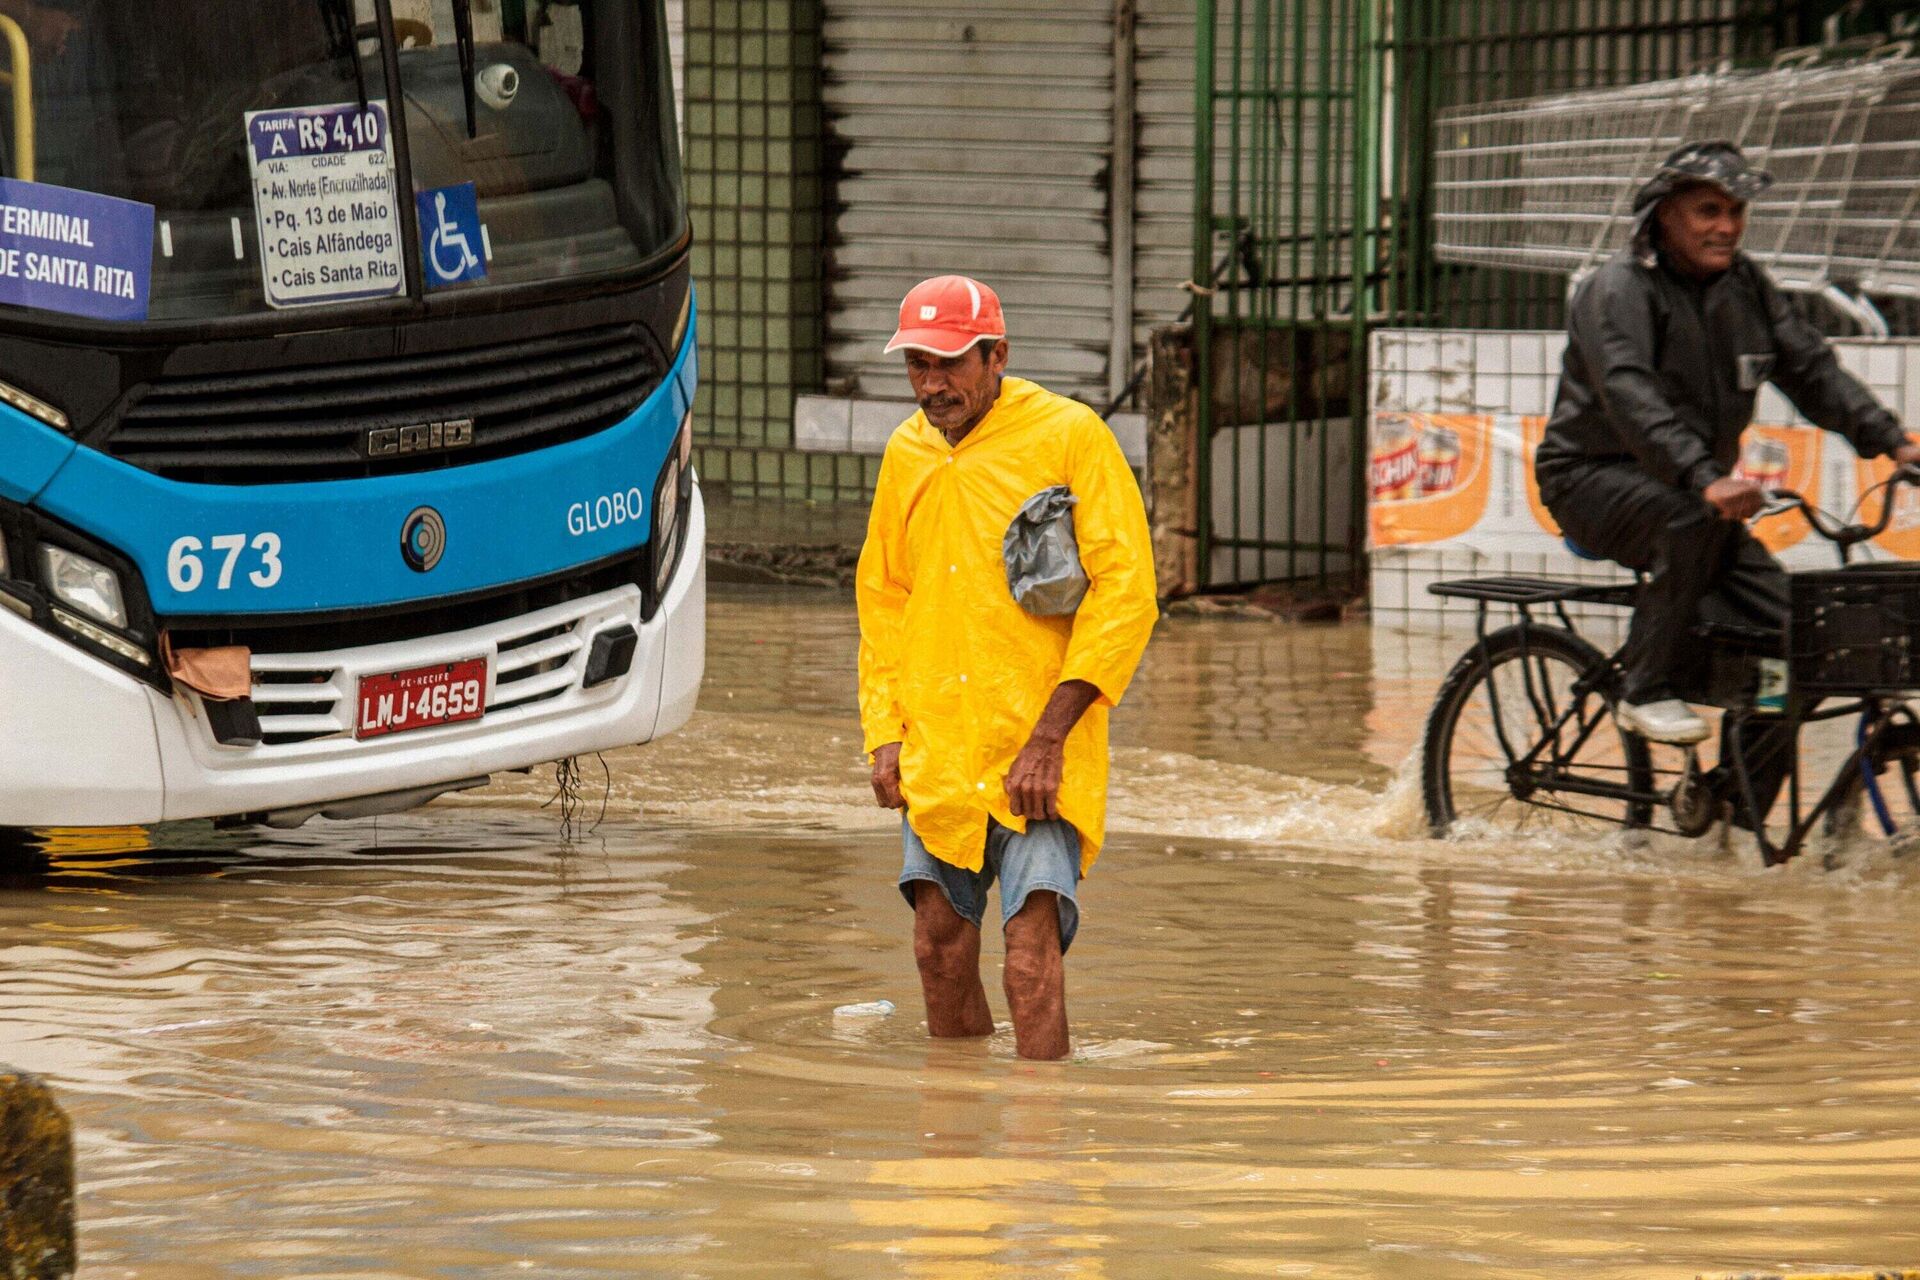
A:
x: 1426, y: 476
x: 1439, y: 459
x: 1394, y: 471
x: 1782, y: 458
x: 1764, y: 461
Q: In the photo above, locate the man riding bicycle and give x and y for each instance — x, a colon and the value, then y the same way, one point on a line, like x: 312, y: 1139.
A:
x: 1668, y: 345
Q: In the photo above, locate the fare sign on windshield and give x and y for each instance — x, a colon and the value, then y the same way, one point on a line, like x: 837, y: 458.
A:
x: 323, y: 199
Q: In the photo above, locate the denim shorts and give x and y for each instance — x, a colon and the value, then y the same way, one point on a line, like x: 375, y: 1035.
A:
x: 1046, y: 857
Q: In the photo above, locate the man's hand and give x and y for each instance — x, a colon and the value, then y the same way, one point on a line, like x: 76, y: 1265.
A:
x: 1033, y: 784
x: 1907, y: 455
x: 886, y: 777
x: 1735, y: 497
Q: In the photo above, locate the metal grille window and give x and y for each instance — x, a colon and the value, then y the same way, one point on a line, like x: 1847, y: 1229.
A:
x: 1440, y: 59
x: 1313, y: 222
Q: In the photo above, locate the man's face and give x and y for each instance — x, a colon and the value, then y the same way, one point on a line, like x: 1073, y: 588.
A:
x: 957, y: 391
x: 1700, y: 229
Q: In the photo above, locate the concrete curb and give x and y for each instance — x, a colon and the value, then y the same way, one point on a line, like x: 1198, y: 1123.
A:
x: 36, y: 1181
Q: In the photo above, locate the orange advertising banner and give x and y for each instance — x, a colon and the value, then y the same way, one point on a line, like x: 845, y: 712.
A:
x: 1902, y: 538
x: 1778, y: 457
x: 1532, y: 430
x: 1428, y: 476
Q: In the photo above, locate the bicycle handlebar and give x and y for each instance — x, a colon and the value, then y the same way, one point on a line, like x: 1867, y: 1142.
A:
x: 1842, y: 535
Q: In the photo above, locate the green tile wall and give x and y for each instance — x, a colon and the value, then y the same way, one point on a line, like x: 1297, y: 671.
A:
x: 754, y: 181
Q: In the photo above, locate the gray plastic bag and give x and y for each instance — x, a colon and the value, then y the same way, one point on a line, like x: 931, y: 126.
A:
x: 1043, y: 560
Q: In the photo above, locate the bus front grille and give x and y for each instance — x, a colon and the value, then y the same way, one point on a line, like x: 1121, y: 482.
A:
x: 385, y: 416
x: 302, y: 697
x: 308, y: 702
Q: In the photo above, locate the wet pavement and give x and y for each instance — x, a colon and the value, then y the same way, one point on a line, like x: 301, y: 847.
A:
x: 1309, y: 1041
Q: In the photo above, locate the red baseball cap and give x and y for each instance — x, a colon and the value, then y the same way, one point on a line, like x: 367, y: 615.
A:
x: 946, y: 315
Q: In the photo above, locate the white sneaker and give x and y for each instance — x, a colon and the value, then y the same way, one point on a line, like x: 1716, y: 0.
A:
x: 1668, y: 720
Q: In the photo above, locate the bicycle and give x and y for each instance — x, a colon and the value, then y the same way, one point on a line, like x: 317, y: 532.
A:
x: 1525, y: 717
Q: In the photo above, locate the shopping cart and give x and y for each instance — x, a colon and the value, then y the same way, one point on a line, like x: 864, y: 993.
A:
x: 1547, y: 183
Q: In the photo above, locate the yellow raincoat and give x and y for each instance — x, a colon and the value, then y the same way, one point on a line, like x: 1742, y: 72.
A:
x: 950, y: 665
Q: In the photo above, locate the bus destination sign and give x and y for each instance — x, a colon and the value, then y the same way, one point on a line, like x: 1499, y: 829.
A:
x: 74, y: 251
x: 323, y: 200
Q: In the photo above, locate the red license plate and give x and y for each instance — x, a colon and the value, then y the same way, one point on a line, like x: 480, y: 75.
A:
x: 399, y: 701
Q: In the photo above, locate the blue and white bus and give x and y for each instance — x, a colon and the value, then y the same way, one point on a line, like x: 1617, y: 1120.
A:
x: 346, y: 372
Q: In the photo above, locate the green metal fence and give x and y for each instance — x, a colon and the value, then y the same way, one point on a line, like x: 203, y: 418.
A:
x: 1311, y: 224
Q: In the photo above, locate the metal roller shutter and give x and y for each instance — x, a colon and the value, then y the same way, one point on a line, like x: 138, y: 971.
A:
x: 1163, y: 188
x: 974, y: 139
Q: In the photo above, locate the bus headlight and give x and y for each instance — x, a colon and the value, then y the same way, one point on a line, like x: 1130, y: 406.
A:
x: 671, y: 499
x: 666, y: 526
x: 84, y: 585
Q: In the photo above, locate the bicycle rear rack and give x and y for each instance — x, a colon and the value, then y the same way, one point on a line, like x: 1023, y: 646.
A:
x: 1533, y: 591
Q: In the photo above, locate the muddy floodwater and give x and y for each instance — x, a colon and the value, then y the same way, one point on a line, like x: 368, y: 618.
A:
x: 1308, y: 1041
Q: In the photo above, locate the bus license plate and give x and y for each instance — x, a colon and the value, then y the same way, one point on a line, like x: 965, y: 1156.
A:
x: 399, y: 701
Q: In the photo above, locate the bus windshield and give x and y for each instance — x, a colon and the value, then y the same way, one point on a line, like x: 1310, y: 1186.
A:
x: 535, y: 143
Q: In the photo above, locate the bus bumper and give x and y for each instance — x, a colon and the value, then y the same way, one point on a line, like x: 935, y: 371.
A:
x: 85, y: 745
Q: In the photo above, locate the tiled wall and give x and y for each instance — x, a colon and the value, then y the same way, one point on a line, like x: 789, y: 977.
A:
x: 754, y: 162
x: 1495, y: 372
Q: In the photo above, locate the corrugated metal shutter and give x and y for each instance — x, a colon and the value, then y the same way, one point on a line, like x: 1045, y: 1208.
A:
x: 1163, y: 186
x: 976, y: 139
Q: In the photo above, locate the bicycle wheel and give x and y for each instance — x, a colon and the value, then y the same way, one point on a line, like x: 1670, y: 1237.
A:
x: 1532, y: 674
x: 1890, y: 807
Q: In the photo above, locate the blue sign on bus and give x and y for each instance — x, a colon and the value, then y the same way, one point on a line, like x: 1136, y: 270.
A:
x: 74, y: 251
x: 451, y: 242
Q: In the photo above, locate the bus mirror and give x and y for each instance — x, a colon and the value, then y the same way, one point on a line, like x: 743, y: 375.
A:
x: 499, y: 84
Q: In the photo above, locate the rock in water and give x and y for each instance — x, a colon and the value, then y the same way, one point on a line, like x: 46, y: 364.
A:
x: 36, y: 1181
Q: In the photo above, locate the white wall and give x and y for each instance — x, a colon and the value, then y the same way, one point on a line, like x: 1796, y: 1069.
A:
x: 1488, y: 372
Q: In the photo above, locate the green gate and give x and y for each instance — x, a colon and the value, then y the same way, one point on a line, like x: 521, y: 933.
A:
x: 1312, y: 191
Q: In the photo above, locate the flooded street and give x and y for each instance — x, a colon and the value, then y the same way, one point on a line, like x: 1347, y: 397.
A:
x: 1308, y: 1041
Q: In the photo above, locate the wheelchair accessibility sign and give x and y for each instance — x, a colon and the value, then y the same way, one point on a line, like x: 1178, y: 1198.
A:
x: 452, y: 245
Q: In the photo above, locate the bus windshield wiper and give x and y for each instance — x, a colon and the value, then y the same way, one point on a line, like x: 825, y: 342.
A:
x: 347, y: 35
x: 463, y: 36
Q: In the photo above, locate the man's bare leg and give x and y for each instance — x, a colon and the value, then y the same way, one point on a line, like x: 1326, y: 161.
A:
x: 1036, y: 977
x: 946, y: 946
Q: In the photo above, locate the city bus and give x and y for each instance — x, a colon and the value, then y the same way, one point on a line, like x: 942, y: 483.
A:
x: 346, y: 379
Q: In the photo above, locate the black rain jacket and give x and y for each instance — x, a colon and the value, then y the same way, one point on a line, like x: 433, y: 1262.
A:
x: 1662, y: 371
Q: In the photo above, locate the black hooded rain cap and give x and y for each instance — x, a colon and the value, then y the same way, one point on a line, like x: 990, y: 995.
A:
x: 1719, y: 164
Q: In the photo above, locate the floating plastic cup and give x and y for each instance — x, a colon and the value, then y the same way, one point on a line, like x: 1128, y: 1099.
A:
x: 871, y: 1009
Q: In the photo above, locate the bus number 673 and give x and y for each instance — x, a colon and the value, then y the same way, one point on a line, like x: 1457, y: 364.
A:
x: 187, y: 566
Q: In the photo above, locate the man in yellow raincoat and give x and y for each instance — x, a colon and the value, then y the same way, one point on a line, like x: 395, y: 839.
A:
x: 985, y: 723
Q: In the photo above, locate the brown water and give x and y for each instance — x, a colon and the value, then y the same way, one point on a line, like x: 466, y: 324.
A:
x: 1308, y: 1043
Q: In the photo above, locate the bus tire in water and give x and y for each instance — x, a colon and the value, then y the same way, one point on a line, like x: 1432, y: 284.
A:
x: 1462, y: 765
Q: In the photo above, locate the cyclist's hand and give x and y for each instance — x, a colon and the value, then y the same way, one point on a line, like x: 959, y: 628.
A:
x: 886, y: 777
x: 1908, y: 454
x: 1736, y: 497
